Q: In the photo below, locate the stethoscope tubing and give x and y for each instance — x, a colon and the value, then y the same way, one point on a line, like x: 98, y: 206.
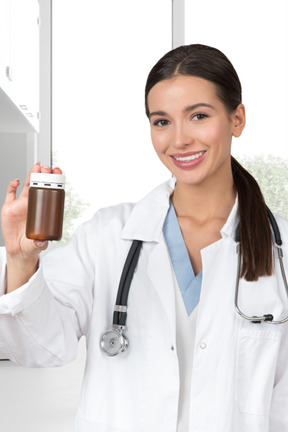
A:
x: 120, y: 309
x: 268, y: 318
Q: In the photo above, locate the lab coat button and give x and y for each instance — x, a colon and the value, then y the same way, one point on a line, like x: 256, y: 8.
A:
x: 203, y: 345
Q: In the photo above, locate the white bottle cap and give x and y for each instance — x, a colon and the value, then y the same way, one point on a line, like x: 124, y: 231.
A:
x: 45, y: 180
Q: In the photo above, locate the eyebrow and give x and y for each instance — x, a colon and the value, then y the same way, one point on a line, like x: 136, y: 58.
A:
x: 198, y: 105
x: 157, y: 113
x: 187, y: 109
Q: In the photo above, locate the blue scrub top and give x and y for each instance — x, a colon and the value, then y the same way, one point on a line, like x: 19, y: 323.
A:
x: 189, y: 284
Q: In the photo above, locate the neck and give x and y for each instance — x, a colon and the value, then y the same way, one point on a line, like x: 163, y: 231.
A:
x: 206, y: 201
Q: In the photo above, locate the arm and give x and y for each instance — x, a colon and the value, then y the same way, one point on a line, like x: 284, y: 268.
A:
x: 42, y: 315
x: 22, y: 254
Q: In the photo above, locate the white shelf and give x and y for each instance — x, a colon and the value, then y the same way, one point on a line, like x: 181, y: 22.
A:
x: 12, y: 119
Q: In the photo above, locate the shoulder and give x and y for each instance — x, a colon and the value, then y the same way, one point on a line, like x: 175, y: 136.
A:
x: 108, y: 217
x: 117, y: 216
x: 119, y: 212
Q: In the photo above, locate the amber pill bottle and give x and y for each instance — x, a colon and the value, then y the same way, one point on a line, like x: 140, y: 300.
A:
x: 45, y: 206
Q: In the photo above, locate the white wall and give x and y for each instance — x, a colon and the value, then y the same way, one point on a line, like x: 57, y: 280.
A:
x: 254, y: 36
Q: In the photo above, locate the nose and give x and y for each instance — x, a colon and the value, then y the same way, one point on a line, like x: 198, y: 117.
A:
x: 183, y: 136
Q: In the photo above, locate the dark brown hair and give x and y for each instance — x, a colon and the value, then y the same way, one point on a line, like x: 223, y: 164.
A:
x: 211, y: 64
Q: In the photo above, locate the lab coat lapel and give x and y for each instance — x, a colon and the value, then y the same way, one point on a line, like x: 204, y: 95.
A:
x: 159, y: 271
x: 146, y: 223
x: 147, y: 217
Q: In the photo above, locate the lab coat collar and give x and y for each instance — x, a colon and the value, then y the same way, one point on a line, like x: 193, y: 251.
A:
x: 147, y: 217
x: 229, y: 228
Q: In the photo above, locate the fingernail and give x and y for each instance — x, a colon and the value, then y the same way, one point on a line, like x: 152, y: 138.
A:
x: 40, y: 244
x: 46, y: 167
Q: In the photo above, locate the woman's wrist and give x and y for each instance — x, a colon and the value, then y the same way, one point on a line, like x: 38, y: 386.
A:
x: 19, y: 270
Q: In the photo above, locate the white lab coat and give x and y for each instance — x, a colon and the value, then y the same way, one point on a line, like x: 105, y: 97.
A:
x: 240, y: 369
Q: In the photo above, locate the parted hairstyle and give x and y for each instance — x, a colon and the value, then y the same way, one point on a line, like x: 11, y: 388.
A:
x: 211, y: 64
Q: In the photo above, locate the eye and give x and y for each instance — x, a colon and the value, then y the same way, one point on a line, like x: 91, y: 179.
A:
x: 160, y: 123
x: 199, y: 116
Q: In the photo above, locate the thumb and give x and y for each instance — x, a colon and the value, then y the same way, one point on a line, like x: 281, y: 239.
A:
x: 40, y: 244
x: 32, y: 248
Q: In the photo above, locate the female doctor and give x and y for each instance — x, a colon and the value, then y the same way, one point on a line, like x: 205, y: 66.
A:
x: 193, y: 363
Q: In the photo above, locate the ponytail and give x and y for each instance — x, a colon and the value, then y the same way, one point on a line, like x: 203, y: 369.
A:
x: 255, y: 231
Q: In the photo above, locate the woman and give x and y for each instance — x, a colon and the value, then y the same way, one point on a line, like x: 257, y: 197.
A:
x: 193, y: 364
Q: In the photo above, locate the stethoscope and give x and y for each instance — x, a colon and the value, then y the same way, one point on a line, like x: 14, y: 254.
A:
x: 269, y: 318
x: 115, y: 341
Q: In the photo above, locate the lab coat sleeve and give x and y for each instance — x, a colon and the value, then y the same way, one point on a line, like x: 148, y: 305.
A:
x: 42, y: 321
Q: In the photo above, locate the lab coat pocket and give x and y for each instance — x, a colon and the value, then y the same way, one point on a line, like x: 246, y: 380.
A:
x: 257, y: 360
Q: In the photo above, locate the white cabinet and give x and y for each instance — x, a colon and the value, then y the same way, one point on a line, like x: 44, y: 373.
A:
x: 4, y: 44
x: 19, y: 56
x: 19, y: 89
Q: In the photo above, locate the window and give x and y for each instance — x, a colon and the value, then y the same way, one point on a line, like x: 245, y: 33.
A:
x: 102, y: 53
x: 254, y: 36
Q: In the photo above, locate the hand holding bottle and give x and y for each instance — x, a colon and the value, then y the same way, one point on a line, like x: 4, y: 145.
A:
x: 22, y: 253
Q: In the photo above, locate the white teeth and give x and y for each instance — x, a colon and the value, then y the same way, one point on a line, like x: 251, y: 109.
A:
x: 189, y: 158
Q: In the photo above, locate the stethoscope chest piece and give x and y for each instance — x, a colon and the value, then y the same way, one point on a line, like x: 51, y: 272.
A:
x: 113, y: 342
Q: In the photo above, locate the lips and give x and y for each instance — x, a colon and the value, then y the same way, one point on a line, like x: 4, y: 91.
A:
x: 188, y: 157
x: 188, y: 160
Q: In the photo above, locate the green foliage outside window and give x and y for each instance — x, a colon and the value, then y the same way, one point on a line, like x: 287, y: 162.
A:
x: 74, y: 208
x: 271, y: 173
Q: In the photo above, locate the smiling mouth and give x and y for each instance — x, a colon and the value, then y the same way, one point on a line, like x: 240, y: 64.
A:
x: 189, y: 158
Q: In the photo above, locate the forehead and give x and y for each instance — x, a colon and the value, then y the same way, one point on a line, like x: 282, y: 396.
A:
x: 182, y: 89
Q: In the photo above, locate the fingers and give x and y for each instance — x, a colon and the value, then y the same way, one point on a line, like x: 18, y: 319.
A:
x: 11, y: 190
x: 57, y: 171
x: 45, y: 169
x: 37, y: 169
x: 13, y: 185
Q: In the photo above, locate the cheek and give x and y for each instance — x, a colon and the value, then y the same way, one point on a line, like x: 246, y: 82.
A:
x: 159, y: 141
x: 217, y: 134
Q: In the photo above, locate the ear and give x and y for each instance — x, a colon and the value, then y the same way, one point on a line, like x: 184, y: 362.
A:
x: 239, y: 120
